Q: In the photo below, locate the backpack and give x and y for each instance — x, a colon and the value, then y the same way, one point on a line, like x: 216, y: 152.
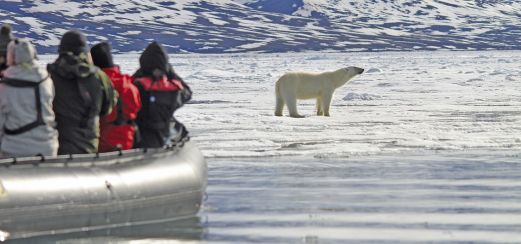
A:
x: 39, y: 117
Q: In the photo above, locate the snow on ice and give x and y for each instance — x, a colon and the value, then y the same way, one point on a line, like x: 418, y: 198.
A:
x: 430, y: 101
x: 410, y: 102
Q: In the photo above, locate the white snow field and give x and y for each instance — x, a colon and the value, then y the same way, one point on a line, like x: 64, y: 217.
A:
x: 405, y: 101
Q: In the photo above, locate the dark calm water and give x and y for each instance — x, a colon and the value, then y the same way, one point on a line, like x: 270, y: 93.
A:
x: 441, y: 198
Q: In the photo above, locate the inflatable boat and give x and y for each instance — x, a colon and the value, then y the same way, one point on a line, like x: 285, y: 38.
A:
x: 40, y: 195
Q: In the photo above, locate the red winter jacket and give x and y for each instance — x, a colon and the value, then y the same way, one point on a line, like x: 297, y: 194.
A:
x: 117, y: 130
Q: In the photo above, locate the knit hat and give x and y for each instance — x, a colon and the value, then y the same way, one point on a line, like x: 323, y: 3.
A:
x: 102, y: 55
x: 5, y: 31
x: 154, y: 57
x: 5, y: 37
x: 20, y: 51
x: 73, y: 41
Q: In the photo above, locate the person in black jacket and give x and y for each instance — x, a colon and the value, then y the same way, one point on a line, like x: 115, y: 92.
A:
x: 83, y: 94
x: 5, y: 37
x: 162, y: 92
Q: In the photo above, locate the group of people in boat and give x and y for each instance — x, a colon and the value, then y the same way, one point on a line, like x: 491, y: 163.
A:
x: 82, y: 103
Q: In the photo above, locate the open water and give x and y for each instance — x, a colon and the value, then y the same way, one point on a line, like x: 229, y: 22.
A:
x: 433, y: 198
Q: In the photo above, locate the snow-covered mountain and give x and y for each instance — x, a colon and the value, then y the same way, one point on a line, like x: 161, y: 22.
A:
x: 227, y: 26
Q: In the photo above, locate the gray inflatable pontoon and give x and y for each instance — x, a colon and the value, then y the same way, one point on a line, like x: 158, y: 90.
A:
x: 40, y: 195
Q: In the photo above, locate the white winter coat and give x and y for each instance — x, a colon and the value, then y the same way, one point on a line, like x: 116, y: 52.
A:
x: 18, y: 105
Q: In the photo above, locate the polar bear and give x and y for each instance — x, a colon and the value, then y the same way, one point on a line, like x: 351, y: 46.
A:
x: 300, y: 85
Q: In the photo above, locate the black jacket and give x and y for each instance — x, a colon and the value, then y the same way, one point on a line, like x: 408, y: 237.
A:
x: 5, y: 37
x: 83, y: 94
x: 156, y: 117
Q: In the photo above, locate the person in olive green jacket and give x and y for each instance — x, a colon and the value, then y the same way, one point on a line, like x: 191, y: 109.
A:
x: 83, y: 94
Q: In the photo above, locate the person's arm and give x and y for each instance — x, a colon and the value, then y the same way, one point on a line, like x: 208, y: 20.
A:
x: 110, y: 95
x: 186, y: 92
x: 3, y: 65
x: 2, y: 113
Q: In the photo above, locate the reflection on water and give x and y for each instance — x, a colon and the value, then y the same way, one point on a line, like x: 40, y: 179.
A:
x: 455, y: 198
x: 423, y: 198
x: 185, y: 230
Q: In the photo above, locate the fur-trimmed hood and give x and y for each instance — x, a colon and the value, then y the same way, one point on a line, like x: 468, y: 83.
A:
x: 72, y: 67
x: 21, y: 58
x: 20, y: 51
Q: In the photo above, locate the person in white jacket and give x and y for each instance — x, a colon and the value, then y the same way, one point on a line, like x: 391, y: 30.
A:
x: 27, y: 122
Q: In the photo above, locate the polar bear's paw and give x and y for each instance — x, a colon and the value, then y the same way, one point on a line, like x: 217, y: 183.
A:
x: 296, y: 116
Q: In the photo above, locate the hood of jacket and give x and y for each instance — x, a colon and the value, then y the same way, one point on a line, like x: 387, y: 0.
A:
x: 20, y: 51
x: 21, y: 58
x: 102, y: 55
x: 72, y: 67
x: 154, y: 60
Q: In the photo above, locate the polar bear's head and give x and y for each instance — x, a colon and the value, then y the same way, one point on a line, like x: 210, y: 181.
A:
x: 343, y: 75
x: 353, y: 71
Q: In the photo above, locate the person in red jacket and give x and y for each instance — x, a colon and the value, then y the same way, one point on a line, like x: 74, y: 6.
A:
x: 118, y: 129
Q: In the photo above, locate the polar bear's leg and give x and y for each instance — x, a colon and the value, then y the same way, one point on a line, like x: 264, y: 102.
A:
x: 320, y: 109
x: 279, y: 102
x: 279, y: 107
x: 291, y: 103
x: 326, y: 102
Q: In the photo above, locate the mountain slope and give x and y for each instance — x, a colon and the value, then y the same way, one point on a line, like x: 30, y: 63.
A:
x: 218, y: 26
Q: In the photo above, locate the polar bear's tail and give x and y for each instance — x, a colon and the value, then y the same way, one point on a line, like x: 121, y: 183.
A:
x: 279, y: 102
